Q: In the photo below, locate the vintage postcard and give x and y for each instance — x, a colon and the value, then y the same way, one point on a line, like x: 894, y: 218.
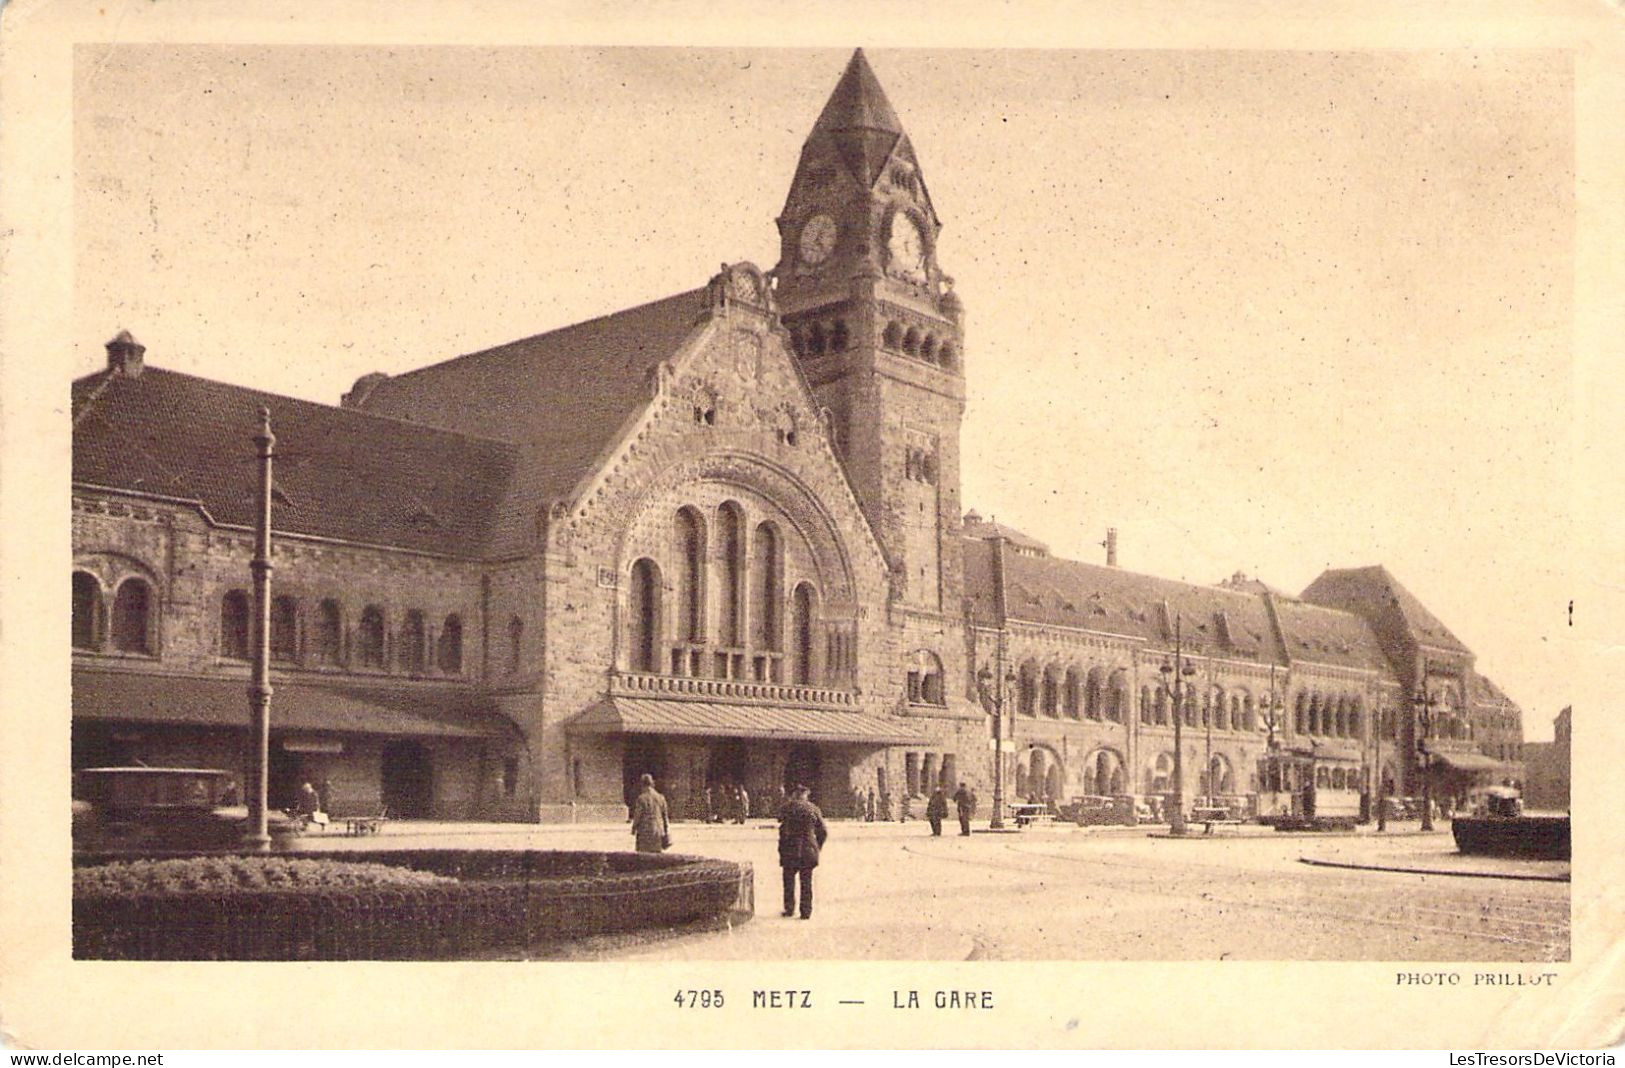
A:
x: 932, y: 531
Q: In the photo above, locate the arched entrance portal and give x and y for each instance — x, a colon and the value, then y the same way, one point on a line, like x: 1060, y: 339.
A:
x: 643, y: 755
x: 407, y: 779
x: 1103, y: 774
x: 802, y: 766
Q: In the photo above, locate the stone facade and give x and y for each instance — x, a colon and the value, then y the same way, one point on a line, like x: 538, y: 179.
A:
x: 718, y: 539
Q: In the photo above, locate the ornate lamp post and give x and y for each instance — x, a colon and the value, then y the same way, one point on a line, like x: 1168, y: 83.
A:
x: 1176, y: 683
x: 1424, y: 703
x: 993, y: 700
x: 259, y: 690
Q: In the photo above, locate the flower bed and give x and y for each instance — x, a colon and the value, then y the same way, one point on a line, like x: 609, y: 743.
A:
x: 467, y: 901
x: 216, y: 875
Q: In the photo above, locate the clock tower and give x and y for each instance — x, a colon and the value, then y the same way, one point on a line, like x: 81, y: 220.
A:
x: 878, y: 330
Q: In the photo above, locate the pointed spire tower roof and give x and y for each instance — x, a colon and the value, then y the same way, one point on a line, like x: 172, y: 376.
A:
x: 860, y: 122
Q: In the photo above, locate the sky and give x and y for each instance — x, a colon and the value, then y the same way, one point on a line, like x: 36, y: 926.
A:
x: 1264, y: 311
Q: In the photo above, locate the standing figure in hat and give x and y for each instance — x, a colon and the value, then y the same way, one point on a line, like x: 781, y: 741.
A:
x: 651, y: 824
x: 801, y: 835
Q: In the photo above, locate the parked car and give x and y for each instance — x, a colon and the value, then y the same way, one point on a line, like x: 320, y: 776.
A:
x: 1096, y: 808
x: 161, y: 810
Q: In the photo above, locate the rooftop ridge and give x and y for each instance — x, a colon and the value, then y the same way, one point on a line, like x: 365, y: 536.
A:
x: 579, y: 324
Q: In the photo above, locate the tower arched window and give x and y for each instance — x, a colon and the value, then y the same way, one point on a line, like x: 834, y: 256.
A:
x: 803, y: 618
x: 643, y: 618
x: 925, y: 678
x: 766, y: 569
x: 413, y: 654
x: 731, y: 538
x: 234, y: 625
x: 815, y: 340
x: 329, y: 633
x: 87, y: 611
x: 449, y: 646
x: 928, y: 348
x: 284, y: 629
x: 516, y: 645
x: 839, y: 337
x: 946, y: 355
x: 911, y: 341
x: 690, y: 537
x: 369, y: 637
x: 892, y: 337
x: 132, y: 616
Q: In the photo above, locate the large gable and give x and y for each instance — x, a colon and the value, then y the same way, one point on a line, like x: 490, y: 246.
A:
x: 340, y: 474
x: 1375, y: 594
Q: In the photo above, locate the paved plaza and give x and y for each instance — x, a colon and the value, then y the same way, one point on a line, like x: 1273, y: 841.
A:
x: 892, y: 892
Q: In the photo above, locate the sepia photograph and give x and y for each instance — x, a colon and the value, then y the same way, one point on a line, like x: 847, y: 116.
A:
x: 537, y: 505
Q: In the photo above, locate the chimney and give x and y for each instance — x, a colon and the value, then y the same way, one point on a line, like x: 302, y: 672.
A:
x: 1111, y: 546
x: 124, y: 355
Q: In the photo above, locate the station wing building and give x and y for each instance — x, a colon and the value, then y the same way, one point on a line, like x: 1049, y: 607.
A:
x: 717, y: 538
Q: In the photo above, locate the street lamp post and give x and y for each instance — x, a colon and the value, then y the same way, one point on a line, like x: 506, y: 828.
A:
x: 1424, y: 703
x: 1176, y: 682
x: 1382, y: 786
x: 259, y: 690
x: 994, y: 702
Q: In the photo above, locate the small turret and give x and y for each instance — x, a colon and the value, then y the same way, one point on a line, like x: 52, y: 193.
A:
x: 125, y: 355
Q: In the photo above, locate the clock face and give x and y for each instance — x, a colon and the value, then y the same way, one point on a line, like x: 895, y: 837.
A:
x: 817, y: 239
x: 906, y: 249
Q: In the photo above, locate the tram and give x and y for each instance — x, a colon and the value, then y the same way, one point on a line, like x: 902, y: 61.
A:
x: 1301, y: 789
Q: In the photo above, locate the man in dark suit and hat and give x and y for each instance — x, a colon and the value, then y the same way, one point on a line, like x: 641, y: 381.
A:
x: 801, y: 835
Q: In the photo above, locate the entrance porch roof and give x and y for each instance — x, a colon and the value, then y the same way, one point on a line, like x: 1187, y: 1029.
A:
x: 643, y: 715
x: 1468, y: 761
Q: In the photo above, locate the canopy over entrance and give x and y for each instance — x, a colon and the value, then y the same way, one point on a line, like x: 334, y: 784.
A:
x: 642, y: 715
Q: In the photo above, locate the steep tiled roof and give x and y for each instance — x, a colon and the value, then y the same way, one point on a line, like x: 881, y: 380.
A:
x: 339, y: 474
x: 562, y: 396
x: 1328, y: 636
x: 1046, y: 589
x: 1373, y: 592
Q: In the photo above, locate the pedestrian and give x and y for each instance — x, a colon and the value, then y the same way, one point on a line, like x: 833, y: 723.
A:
x: 801, y: 836
x: 308, y: 808
x: 869, y: 812
x: 965, y: 802
x: 936, y: 809
x: 710, y: 804
x: 743, y: 811
x: 651, y: 823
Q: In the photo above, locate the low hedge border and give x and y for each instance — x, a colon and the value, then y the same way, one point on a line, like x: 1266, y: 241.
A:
x: 512, y: 898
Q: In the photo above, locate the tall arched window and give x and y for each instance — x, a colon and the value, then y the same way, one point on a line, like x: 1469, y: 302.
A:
x: 284, y: 629
x: 1300, y: 715
x: 1146, y: 709
x: 1027, y: 689
x: 516, y: 645
x: 1162, y: 707
x: 1117, y: 696
x: 369, y: 638
x: 132, y: 617
x: 329, y: 633
x: 1249, y: 718
x: 1357, y: 718
x: 731, y: 533
x: 643, y: 618
x: 690, y: 535
x: 449, y: 646
x: 413, y: 656
x: 1072, y: 694
x: 87, y: 611
x: 1340, y: 718
x: 1092, y: 695
x: 765, y: 566
x: 1052, y: 691
x: 1221, y: 710
x: 803, y: 613
x: 234, y: 625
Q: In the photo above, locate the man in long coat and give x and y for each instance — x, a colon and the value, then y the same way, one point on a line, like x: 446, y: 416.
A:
x: 651, y: 824
x: 801, y: 835
x: 936, y: 810
x: 965, y: 802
